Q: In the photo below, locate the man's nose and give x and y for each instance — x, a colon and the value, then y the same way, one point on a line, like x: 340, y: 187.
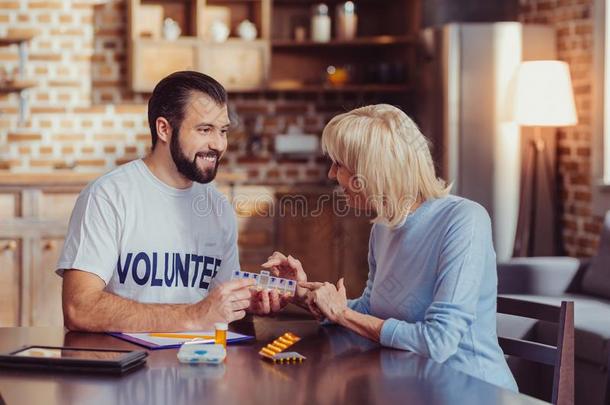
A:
x: 216, y: 142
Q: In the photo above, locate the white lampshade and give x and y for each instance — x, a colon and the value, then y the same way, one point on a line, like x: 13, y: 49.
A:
x: 544, y: 96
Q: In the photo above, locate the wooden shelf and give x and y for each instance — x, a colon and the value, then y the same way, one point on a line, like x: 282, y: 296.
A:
x: 20, y: 38
x: 16, y: 86
x: 280, y: 43
x: 309, y: 2
x: 349, y: 88
x: 357, y: 42
x: 195, y: 41
x: 10, y: 40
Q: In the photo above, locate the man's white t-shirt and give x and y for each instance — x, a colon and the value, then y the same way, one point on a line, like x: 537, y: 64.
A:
x: 148, y: 241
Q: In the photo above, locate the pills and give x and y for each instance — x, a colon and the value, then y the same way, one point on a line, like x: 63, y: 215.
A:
x: 274, y: 351
x: 265, y: 281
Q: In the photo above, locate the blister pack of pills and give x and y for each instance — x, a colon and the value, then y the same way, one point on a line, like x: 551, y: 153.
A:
x: 274, y: 351
x: 265, y: 281
x: 288, y: 357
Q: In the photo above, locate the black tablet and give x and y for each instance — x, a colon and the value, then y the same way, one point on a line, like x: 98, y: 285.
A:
x: 74, y: 359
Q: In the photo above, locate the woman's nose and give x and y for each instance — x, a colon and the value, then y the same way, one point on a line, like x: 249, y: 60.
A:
x: 332, y: 172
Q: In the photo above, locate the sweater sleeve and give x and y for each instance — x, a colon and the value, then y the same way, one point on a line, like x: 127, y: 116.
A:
x: 465, y: 246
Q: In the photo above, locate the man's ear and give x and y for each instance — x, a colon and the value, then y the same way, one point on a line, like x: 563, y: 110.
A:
x: 164, y: 129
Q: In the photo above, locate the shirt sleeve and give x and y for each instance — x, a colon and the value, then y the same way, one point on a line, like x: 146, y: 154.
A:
x: 363, y: 303
x: 230, y: 254
x: 92, y: 241
x: 466, y: 246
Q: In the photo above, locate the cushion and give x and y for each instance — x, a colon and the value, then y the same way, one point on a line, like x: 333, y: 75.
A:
x: 591, y: 323
x: 537, y: 275
x: 596, y: 280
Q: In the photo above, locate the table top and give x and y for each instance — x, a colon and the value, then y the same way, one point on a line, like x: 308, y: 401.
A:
x: 341, y: 368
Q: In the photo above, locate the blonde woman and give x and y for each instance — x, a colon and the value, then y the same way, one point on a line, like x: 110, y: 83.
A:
x: 432, y: 283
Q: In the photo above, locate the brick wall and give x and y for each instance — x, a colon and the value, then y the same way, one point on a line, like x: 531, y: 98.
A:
x: 574, y: 26
x: 83, y: 116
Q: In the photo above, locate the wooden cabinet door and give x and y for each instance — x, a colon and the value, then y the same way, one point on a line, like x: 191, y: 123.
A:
x: 10, y: 271
x: 9, y: 205
x: 255, y: 220
x: 353, y: 252
x: 238, y: 65
x: 330, y: 244
x: 309, y: 235
x: 153, y: 60
x: 57, y: 206
x: 46, y: 285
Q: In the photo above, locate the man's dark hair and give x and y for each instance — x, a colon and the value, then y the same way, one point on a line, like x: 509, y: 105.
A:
x: 171, y: 94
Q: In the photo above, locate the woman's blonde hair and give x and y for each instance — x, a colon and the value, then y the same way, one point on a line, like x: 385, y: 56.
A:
x: 389, y: 157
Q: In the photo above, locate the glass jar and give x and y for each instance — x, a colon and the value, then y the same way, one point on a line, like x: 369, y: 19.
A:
x: 320, y: 23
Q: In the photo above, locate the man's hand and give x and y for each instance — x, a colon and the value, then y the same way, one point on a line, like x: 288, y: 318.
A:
x: 266, y: 302
x: 226, y: 303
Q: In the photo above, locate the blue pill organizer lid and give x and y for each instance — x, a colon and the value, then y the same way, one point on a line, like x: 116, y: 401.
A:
x: 202, y: 353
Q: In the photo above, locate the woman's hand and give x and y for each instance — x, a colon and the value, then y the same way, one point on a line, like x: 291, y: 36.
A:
x: 287, y: 267
x: 331, y: 301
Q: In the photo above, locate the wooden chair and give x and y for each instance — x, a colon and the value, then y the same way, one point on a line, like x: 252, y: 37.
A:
x: 561, y: 357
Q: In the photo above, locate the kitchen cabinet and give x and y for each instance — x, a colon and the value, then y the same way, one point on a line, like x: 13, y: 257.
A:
x: 330, y: 242
x: 307, y: 222
x: 239, y: 64
x: 10, y: 267
x: 45, y: 287
x: 379, y: 60
x: 33, y: 223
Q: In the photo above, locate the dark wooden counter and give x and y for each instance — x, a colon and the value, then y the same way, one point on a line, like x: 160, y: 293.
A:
x: 341, y: 368
x: 68, y: 178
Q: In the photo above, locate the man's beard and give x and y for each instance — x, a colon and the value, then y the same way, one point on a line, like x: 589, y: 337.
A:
x: 188, y: 168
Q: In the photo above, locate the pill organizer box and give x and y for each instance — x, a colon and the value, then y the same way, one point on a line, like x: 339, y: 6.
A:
x: 201, y: 353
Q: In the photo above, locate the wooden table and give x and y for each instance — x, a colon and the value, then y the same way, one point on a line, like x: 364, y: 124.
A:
x: 341, y: 368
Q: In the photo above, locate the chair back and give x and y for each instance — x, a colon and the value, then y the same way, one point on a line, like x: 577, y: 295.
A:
x: 561, y: 357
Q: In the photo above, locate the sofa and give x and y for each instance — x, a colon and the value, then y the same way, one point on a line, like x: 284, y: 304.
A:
x: 551, y: 280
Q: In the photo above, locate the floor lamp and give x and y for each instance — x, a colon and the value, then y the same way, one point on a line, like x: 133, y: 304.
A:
x: 543, y: 98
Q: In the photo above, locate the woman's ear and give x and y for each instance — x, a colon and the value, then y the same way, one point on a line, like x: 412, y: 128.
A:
x: 357, y: 183
x: 164, y: 129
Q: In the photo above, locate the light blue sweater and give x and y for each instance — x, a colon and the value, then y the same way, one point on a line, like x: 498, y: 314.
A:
x: 433, y: 280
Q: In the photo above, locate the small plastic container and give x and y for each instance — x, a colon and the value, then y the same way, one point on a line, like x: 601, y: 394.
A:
x: 194, y: 353
x: 282, y: 285
x: 263, y: 280
x: 220, y: 336
x: 291, y: 289
x: 273, y: 283
x: 255, y: 277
